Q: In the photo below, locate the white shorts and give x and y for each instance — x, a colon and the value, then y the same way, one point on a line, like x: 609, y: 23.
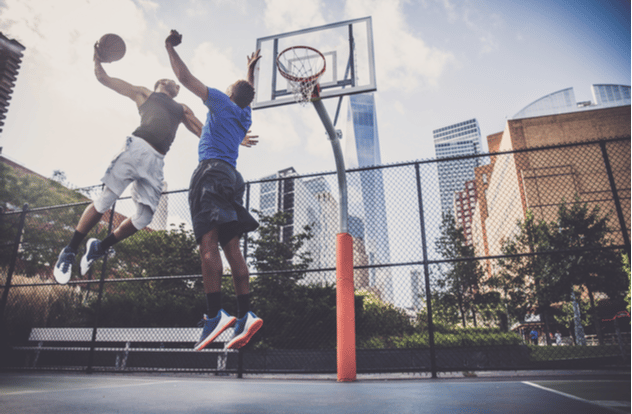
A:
x: 138, y: 163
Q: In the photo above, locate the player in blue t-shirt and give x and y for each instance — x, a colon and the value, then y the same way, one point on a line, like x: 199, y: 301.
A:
x: 216, y: 196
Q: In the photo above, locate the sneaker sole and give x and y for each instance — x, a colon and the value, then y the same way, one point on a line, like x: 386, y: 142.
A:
x: 60, y: 277
x: 243, y: 339
x: 85, y: 266
x: 214, y: 335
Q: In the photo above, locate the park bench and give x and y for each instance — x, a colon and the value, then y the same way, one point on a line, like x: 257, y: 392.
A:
x: 123, y: 349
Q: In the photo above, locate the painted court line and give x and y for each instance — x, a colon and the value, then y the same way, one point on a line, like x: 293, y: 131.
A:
x: 36, y: 391
x: 569, y: 396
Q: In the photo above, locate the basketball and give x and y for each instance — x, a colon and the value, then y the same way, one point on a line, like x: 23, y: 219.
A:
x: 111, y: 48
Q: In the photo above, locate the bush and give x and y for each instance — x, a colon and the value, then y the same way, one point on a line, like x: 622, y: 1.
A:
x: 458, y: 338
x: 42, y: 306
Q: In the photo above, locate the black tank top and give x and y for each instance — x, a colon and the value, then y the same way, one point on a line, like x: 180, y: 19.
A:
x: 159, y: 119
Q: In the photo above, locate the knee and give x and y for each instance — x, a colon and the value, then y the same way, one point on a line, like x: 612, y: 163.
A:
x: 105, y: 201
x: 143, y: 217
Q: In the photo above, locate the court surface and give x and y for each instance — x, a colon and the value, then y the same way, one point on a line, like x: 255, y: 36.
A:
x: 64, y: 392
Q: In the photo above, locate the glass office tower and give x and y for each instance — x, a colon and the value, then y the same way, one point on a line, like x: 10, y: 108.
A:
x: 366, y: 189
x: 456, y: 140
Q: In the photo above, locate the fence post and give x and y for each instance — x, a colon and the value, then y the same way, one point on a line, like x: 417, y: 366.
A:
x: 422, y: 224
x: 240, y: 356
x: 14, y: 259
x: 98, y: 305
x: 615, y: 196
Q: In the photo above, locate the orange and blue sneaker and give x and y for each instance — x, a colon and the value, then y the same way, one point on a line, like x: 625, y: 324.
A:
x: 213, y: 328
x: 245, y: 328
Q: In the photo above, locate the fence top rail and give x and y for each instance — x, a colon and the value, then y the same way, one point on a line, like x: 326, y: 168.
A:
x: 375, y: 167
x: 123, y: 335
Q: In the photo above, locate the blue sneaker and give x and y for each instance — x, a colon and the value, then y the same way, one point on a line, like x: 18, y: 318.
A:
x: 213, y: 328
x: 93, y: 252
x: 63, y: 267
x: 245, y: 328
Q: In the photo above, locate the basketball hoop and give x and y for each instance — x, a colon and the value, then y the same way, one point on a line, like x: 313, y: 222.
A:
x: 302, y: 66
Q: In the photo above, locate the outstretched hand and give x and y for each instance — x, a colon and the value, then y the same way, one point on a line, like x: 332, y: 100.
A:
x: 174, y: 38
x: 254, y: 58
x: 250, y: 140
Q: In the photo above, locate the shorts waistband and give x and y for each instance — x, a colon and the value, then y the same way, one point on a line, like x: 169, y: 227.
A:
x: 217, y: 160
x: 142, y: 141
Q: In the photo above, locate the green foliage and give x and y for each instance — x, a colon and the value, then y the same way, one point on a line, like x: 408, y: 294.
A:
x: 18, y: 188
x: 528, y: 283
x: 168, y: 302
x: 171, y: 252
x: 458, y: 282
x: 533, y: 283
x: 597, y: 271
x: 626, y: 268
x: 455, y: 338
x: 566, y: 317
x: 296, y: 315
x: 132, y: 304
x: 377, y: 319
x: 41, y: 240
x: 42, y: 306
x: 554, y: 353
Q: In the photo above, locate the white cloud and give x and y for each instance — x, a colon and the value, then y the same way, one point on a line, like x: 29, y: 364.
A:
x: 214, y: 67
x: 474, y: 16
x: 286, y: 15
x: 68, y: 107
x: 403, y: 61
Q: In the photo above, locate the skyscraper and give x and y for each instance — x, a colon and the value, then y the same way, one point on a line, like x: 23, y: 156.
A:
x: 307, y: 203
x: 456, y: 140
x: 366, y: 188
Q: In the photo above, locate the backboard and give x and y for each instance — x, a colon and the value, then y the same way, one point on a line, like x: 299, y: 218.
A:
x: 348, y: 50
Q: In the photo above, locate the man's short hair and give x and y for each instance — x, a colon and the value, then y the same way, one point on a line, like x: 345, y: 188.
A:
x: 158, y: 83
x: 243, y: 93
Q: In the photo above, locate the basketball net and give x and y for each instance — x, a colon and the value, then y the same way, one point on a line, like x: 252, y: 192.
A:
x: 302, y: 66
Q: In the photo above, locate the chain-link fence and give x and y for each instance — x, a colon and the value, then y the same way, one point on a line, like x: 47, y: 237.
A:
x: 528, y: 268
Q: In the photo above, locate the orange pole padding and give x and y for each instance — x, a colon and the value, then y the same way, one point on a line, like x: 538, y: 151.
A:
x: 345, y: 309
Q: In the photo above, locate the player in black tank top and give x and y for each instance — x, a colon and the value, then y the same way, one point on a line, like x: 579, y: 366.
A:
x: 160, y: 118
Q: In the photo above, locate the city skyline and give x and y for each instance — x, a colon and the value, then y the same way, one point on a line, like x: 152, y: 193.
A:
x: 437, y: 63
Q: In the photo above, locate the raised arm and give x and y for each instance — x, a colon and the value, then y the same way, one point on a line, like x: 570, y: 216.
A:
x: 252, y: 64
x: 138, y: 94
x: 191, y: 122
x: 180, y: 69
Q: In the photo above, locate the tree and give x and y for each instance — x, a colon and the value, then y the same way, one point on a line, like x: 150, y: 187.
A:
x: 46, y: 231
x: 527, y: 278
x: 459, y: 282
x: 295, y: 314
x: 595, y: 271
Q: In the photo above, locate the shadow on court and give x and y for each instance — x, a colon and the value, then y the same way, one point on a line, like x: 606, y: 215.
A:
x: 62, y: 392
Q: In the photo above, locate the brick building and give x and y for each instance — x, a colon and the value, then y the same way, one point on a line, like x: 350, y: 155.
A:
x: 541, y: 181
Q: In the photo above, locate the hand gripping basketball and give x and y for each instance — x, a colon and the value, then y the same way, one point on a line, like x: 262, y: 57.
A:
x: 110, y: 48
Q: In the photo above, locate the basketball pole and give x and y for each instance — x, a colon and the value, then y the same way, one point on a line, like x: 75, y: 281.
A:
x: 345, y: 297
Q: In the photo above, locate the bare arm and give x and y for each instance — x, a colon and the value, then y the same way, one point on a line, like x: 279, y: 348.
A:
x: 191, y: 122
x: 138, y: 94
x: 252, y: 64
x: 180, y: 69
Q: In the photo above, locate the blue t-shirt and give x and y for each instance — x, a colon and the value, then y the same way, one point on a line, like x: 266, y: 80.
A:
x: 225, y: 128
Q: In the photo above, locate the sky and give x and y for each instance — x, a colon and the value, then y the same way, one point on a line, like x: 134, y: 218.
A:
x: 438, y: 62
